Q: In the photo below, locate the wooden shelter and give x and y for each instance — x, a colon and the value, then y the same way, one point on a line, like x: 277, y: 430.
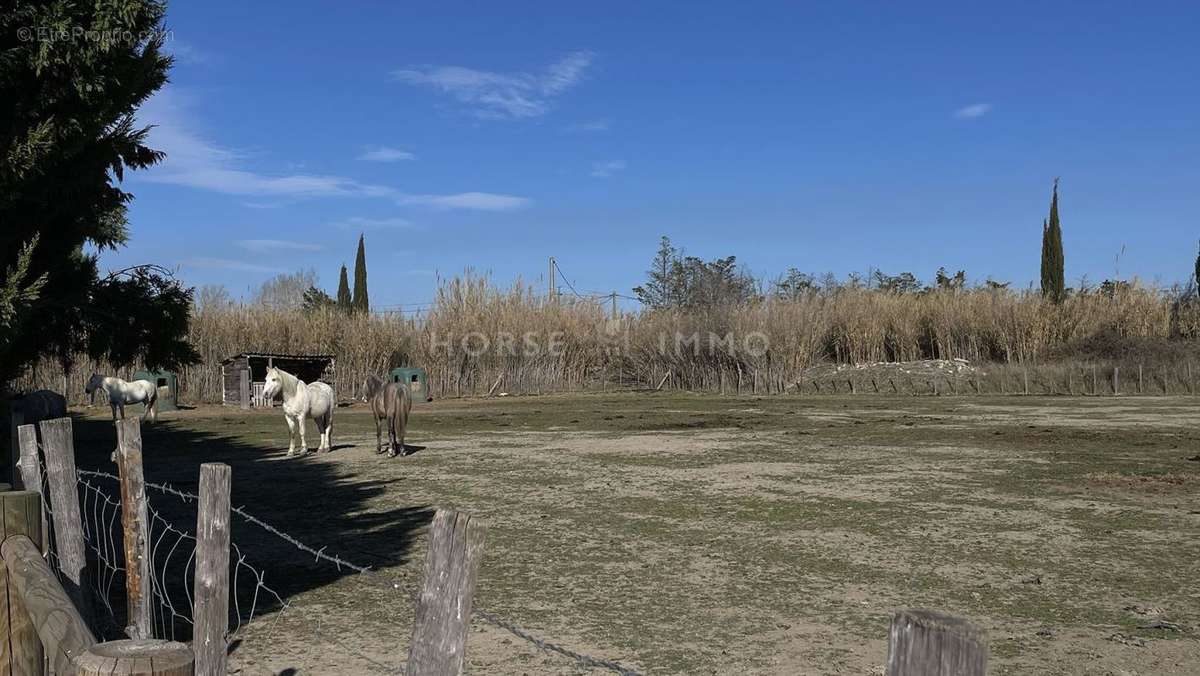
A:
x: 167, y: 383
x: 243, y: 376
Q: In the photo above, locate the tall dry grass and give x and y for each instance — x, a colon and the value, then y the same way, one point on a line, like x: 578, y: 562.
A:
x: 479, y: 338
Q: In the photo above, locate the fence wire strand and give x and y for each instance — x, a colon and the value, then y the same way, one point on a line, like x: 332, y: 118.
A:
x: 173, y: 552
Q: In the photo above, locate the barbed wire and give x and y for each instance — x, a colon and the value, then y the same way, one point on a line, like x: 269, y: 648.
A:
x: 582, y: 659
x: 169, y: 611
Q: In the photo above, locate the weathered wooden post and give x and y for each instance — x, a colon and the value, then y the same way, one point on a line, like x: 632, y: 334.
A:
x: 61, y: 630
x: 27, y: 436
x: 20, y: 647
x: 1025, y: 374
x: 439, y: 643
x: 927, y: 643
x: 31, y: 475
x: 59, y: 447
x: 1141, y: 387
x: 244, y: 388
x: 136, y: 657
x: 17, y: 421
x: 135, y: 522
x: 1116, y: 380
x: 1095, y: 381
x: 211, y: 615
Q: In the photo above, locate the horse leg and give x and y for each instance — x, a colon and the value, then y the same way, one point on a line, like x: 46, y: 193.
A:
x: 378, y: 437
x: 291, y: 435
x: 302, y: 423
x: 392, y: 437
x: 327, y: 433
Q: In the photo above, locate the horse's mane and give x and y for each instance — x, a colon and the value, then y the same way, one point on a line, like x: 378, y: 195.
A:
x: 374, y: 383
x: 289, y: 381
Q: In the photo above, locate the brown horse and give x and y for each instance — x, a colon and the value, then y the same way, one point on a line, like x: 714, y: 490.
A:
x: 391, y: 402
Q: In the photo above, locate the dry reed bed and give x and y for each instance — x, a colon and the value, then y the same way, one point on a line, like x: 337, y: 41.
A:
x: 477, y: 337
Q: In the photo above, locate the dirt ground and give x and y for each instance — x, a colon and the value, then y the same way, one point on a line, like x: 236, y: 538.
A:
x: 681, y: 534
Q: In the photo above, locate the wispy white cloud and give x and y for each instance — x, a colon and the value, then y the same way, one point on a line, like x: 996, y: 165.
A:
x: 195, y: 162
x: 227, y: 264
x: 385, y: 154
x: 479, y: 201
x: 184, y: 52
x: 502, y: 95
x: 606, y: 169
x: 589, y: 126
x: 972, y: 111
x: 269, y: 245
x: 360, y: 223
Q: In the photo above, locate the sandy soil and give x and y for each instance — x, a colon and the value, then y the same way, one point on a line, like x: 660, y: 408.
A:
x: 686, y: 535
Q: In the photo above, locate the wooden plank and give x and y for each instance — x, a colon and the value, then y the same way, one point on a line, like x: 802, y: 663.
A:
x: 135, y: 523
x: 63, y: 632
x: 244, y: 388
x: 31, y: 475
x: 211, y: 614
x: 16, y: 421
x: 58, y: 444
x: 928, y: 643
x: 137, y: 657
x: 439, y: 644
x: 27, y: 477
x: 20, y: 647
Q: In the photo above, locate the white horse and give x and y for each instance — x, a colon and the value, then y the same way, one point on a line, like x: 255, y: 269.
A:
x: 121, y: 393
x: 301, y: 402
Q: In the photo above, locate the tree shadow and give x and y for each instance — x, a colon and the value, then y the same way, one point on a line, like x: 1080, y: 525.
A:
x: 328, y: 505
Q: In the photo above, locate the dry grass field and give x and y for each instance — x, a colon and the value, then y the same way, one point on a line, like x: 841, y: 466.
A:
x: 682, y: 534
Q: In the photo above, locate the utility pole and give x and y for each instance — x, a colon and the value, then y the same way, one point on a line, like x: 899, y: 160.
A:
x: 613, y: 296
x: 550, y: 278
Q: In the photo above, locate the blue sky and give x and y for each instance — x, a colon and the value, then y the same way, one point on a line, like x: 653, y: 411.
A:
x: 821, y: 136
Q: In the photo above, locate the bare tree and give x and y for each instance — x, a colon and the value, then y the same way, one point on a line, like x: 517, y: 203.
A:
x: 286, y: 291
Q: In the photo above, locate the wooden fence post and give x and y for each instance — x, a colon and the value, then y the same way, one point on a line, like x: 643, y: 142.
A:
x: 135, y: 522
x: 137, y: 657
x: 20, y: 647
x: 1095, y: 381
x: 61, y: 629
x: 59, y: 448
x: 27, y: 434
x: 244, y: 388
x: 1116, y: 380
x: 1025, y: 372
x: 31, y: 476
x: 1141, y: 386
x: 17, y: 421
x: 439, y: 643
x: 927, y: 643
x: 211, y: 615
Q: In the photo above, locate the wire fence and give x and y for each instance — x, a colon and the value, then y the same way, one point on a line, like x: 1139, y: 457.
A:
x: 254, y: 603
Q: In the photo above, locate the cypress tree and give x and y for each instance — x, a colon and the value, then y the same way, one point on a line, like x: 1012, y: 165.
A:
x: 360, y: 302
x: 343, y: 293
x: 1046, y: 277
x: 1053, y: 275
x: 1198, y: 274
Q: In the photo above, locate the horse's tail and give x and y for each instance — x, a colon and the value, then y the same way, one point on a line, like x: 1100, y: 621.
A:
x: 152, y: 405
